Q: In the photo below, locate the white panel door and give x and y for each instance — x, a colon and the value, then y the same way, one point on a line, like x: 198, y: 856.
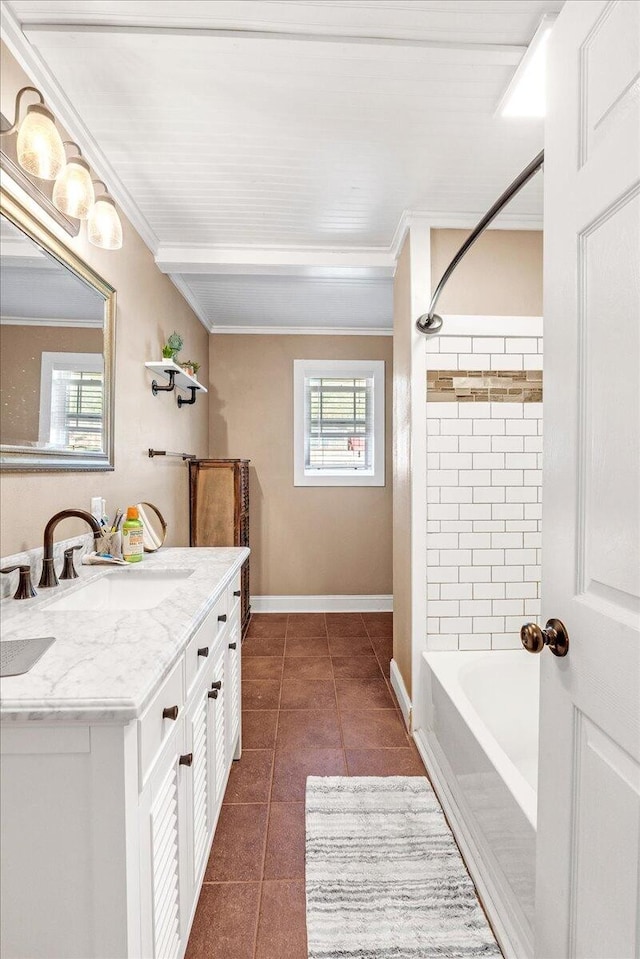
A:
x: 587, y: 887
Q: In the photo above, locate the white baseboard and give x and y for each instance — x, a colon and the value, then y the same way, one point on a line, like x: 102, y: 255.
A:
x: 512, y: 941
x: 402, y: 695
x: 321, y: 604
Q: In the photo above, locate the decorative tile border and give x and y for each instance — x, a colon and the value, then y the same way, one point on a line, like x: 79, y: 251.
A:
x: 484, y: 386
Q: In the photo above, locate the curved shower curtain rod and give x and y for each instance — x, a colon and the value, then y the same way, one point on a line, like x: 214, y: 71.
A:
x: 430, y: 323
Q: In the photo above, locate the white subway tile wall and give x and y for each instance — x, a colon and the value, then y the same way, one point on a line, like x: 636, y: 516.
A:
x: 484, y: 502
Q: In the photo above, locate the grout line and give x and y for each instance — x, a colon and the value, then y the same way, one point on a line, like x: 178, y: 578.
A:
x: 335, y: 693
x: 273, y: 769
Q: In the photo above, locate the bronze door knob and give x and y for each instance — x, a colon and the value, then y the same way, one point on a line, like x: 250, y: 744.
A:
x: 554, y: 635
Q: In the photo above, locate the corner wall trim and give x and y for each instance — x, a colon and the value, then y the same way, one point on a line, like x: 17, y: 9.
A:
x: 399, y: 688
x: 321, y: 604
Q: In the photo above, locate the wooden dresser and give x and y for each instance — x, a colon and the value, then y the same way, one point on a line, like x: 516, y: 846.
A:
x: 219, y: 512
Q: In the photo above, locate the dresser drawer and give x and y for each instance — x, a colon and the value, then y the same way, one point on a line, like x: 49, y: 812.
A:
x: 200, y: 648
x: 159, y: 718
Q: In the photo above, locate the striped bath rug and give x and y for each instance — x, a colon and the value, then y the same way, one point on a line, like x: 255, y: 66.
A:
x: 385, y: 879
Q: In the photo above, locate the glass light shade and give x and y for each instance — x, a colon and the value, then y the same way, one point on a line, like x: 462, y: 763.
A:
x: 39, y: 145
x: 104, y: 226
x: 73, y: 191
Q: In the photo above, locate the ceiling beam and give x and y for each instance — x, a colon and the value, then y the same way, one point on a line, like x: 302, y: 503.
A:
x: 496, y: 53
x: 363, y: 262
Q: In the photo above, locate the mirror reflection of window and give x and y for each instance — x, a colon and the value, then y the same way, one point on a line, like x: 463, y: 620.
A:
x: 72, y: 401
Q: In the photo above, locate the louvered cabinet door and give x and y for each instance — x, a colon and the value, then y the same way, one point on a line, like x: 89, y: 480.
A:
x: 232, y: 670
x: 217, y: 730
x: 161, y: 867
x: 198, y: 785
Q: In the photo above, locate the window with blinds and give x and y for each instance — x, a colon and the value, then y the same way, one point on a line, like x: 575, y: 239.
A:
x: 77, y: 409
x: 339, y: 423
x: 72, y: 401
x: 339, y: 427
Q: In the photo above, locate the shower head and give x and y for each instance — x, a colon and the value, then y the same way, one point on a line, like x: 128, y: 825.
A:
x: 429, y: 323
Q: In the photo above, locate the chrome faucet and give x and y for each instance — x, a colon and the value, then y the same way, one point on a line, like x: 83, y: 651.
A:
x: 48, y: 577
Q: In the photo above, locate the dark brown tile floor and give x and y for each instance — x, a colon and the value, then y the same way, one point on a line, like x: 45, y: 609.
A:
x: 316, y: 702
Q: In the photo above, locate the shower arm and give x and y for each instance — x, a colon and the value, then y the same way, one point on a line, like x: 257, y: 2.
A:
x: 430, y: 323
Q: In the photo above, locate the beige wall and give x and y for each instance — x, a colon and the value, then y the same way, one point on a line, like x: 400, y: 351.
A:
x: 149, y: 309
x: 21, y: 349
x: 304, y: 540
x: 402, y: 464
x: 501, y: 275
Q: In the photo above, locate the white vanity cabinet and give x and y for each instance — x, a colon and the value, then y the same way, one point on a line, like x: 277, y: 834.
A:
x: 135, y: 805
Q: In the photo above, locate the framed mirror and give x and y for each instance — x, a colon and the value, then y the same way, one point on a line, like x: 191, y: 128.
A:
x: 57, y: 336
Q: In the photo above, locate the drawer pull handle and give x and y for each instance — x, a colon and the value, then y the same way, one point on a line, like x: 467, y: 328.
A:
x: 203, y: 651
x: 170, y: 712
x: 222, y: 618
x: 237, y: 592
x: 217, y: 685
x: 213, y: 694
x: 232, y: 645
x: 186, y: 760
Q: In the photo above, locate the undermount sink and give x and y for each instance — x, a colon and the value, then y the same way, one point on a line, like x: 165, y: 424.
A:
x: 124, y: 589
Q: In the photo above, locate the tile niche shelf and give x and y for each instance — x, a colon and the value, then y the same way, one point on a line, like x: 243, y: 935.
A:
x: 177, y: 377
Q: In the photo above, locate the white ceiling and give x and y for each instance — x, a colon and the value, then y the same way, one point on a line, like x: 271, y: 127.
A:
x: 259, y: 136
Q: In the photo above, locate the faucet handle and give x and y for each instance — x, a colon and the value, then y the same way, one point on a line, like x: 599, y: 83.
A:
x: 25, y: 588
x: 68, y: 569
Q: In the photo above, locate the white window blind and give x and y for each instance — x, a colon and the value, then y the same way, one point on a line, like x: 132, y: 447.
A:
x: 77, y: 409
x: 339, y: 423
x: 72, y: 401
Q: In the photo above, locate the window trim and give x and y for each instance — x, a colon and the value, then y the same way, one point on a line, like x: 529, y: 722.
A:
x: 303, y: 369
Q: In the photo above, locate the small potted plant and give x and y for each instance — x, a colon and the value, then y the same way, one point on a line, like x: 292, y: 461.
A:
x: 175, y: 342
x: 196, y: 367
x: 187, y: 366
x: 167, y: 352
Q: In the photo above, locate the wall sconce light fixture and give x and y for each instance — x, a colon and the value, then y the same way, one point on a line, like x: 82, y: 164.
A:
x: 41, y: 152
x: 104, y: 228
x: 73, y: 191
x: 39, y: 148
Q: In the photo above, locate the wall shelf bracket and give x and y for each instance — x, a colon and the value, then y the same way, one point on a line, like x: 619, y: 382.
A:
x: 182, y: 402
x: 155, y: 389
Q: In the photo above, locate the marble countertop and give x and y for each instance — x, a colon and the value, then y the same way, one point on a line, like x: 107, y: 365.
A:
x: 105, y: 667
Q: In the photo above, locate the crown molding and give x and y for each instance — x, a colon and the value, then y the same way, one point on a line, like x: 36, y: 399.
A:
x: 301, y: 330
x: 187, y: 294
x: 51, y: 321
x: 33, y: 64
x: 440, y: 220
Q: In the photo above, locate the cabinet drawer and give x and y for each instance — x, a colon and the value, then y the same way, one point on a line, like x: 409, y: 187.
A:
x: 200, y: 648
x: 156, y: 723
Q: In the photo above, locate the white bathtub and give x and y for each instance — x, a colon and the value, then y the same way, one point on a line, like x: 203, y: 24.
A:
x: 480, y: 743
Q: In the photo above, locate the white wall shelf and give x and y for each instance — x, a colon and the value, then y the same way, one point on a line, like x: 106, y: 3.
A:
x: 177, y: 378
x: 181, y: 379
